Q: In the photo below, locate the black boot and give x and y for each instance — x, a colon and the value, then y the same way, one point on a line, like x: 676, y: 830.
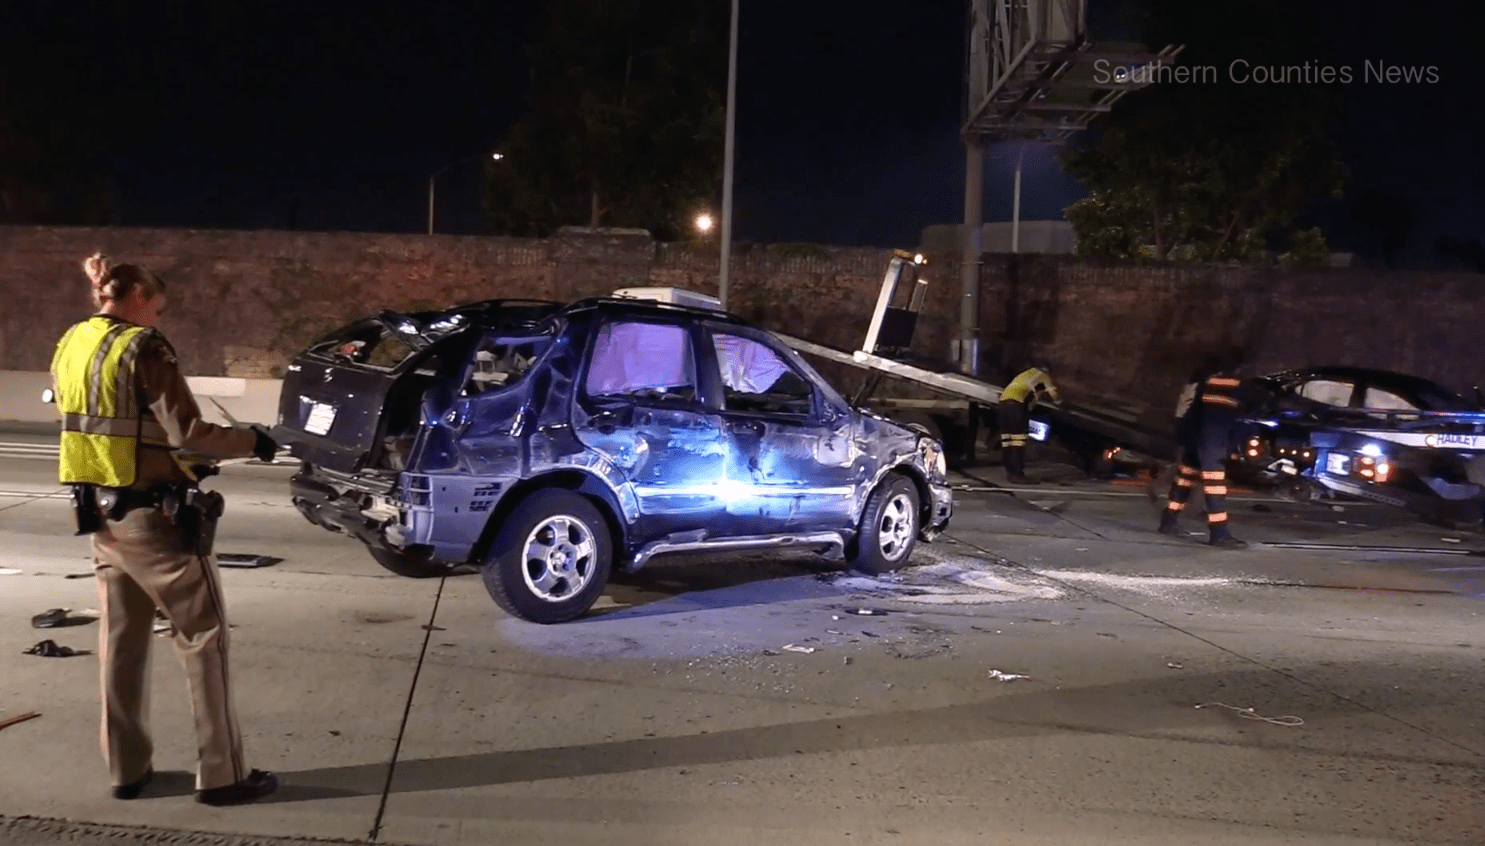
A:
x: 1169, y: 522
x: 257, y: 785
x: 132, y: 790
x: 1222, y: 537
x: 1015, y: 465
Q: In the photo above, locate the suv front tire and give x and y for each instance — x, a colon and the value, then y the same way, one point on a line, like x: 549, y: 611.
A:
x: 889, y: 527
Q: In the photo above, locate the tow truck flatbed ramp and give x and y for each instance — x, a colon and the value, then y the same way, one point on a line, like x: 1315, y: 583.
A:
x: 891, y: 330
x: 955, y: 384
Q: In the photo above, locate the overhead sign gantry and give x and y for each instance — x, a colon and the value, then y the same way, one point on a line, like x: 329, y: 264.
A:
x: 1033, y: 75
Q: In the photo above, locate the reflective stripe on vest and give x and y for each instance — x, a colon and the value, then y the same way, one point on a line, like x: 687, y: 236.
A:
x: 102, y: 421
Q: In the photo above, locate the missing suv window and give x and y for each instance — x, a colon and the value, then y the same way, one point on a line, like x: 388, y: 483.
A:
x: 501, y: 362
x: 755, y: 378
x: 374, y: 346
x: 643, y: 361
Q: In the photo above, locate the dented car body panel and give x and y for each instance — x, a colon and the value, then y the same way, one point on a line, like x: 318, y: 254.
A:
x: 1373, y: 434
x: 691, y: 429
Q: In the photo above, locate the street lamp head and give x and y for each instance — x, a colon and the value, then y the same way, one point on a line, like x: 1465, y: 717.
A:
x: 496, y: 156
x: 703, y: 222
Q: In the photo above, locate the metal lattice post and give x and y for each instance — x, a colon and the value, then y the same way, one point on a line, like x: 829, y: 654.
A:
x: 974, y: 247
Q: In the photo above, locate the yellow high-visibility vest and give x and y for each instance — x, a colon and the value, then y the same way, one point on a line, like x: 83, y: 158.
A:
x: 103, y: 420
x: 1029, y: 382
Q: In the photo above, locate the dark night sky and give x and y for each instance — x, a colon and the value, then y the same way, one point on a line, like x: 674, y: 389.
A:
x: 847, y: 117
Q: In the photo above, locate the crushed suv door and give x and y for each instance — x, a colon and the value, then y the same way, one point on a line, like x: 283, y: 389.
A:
x: 334, y: 404
x: 791, y: 459
x: 640, y: 408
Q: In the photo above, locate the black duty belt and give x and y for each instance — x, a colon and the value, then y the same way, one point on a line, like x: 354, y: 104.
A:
x: 119, y: 501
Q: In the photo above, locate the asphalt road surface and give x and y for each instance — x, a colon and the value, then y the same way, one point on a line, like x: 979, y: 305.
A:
x: 1050, y: 672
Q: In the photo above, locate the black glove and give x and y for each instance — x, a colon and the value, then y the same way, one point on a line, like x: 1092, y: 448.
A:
x: 265, y: 448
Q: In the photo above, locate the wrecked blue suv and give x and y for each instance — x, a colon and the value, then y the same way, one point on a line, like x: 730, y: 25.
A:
x: 548, y: 444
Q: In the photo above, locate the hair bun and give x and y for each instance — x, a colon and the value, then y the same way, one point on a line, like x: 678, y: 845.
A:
x: 96, y: 266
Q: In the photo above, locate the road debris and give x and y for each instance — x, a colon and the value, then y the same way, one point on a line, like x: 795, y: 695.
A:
x: 237, y: 559
x: 78, y: 576
x: 9, y: 571
x: 997, y: 675
x: 59, y: 617
x: 1174, y: 666
x: 867, y: 612
x: 18, y: 718
x: 1250, y: 714
x: 50, y: 649
x: 792, y: 647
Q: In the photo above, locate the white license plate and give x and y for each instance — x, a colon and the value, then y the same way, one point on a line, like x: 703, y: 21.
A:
x: 1038, y: 430
x: 321, y: 417
x: 1337, y: 464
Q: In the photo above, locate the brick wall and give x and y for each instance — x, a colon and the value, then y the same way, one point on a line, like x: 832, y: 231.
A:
x: 1132, y: 333
x: 244, y: 301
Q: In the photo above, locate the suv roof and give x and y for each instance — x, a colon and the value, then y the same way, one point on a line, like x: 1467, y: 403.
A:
x: 626, y: 305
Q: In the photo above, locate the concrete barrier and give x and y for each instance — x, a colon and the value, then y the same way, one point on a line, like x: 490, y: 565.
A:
x: 248, y: 400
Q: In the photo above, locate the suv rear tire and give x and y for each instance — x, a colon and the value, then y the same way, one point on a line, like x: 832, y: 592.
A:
x: 889, y: 527
x: 550, y: 559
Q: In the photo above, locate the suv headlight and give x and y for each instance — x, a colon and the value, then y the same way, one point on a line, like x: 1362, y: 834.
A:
x: 933, y: 456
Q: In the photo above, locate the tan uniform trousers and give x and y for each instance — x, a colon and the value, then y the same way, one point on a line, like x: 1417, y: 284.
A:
x: 140, y: 568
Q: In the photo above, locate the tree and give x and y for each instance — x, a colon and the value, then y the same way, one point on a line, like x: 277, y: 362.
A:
x: 625, y: 121
x: 1308, y: 249
x: 1215, y: 165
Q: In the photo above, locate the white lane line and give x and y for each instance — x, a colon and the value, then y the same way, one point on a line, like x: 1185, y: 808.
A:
x: 1054, y: 491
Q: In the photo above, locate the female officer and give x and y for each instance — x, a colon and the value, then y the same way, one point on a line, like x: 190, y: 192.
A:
x: 126, y: 413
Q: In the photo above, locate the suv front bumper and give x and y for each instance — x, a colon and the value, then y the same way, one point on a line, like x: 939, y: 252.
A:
x: 942, y: 509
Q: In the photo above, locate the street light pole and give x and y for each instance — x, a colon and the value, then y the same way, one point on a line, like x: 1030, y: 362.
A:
x: 727, y: 156
x: 441, y: 171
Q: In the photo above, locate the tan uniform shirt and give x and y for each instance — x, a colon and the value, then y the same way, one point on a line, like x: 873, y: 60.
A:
x: 170, y: 399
